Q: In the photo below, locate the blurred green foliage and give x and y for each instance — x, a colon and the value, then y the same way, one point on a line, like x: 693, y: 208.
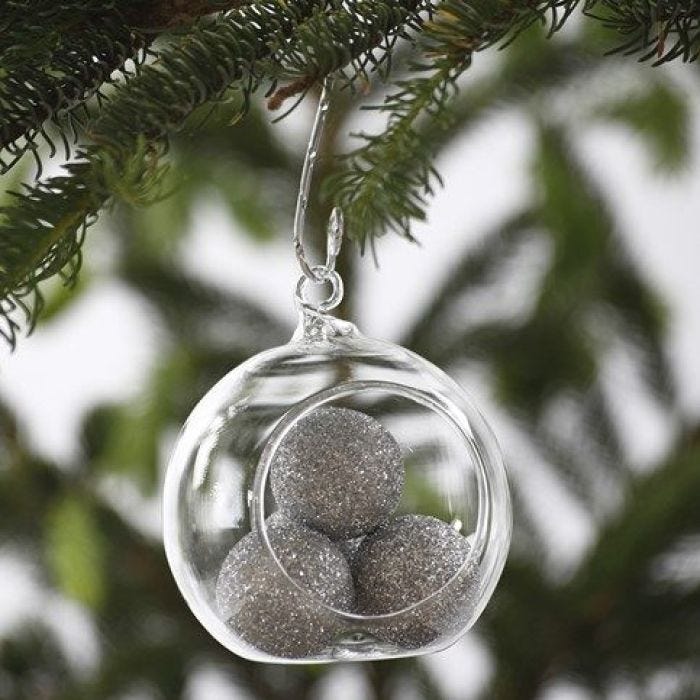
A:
x: 74, y: 547
x: 618, y: 617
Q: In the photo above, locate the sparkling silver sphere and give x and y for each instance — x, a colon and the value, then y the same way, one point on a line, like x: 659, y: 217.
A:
x: 411, y: 559
x: 338, y: 471
x: 349, y: 548
x: 266, y: 609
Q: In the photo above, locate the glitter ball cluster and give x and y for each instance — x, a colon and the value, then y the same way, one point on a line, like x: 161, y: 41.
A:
x: 337, y: 479
x: 339, y: 471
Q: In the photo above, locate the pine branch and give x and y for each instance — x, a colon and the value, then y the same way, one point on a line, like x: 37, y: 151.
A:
x: 331, y: 42
x: 55, y: 56
x: 28, y: 26
x: 42, y: 232
x: 146, y: 109
x: 384, y: 184
x: 660, y: 31
x: 158, y: 101
x: 50, y: 87
x: 167, y: 14
x: 51, y: 219
x: 40, y: 235
x: 531, y: 67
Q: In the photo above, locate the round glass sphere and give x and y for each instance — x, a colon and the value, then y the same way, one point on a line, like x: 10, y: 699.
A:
x: 337, y: 498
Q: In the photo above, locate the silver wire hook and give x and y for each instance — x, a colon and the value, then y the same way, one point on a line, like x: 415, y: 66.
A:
x: 334, y: 237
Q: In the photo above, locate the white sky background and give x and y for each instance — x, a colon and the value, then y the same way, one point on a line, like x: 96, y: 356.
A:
x: 104, y: 347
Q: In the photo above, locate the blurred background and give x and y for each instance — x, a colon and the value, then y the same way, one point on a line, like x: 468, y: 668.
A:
x: 555, y: 278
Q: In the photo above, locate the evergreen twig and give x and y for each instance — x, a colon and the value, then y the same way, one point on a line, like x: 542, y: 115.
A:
x: 40, y: 234
x: 157, y: 102
x: 52, y: 87
x: 383, y: 185
x: 659, y: 31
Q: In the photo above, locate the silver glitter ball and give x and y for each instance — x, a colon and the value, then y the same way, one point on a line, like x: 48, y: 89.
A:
x: 405, y: 562
x: 349, y: 548
x: 265, y: 608
x: 339, y: 471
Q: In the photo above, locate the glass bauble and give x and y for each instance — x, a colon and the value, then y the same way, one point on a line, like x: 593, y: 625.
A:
x: 338, y: 498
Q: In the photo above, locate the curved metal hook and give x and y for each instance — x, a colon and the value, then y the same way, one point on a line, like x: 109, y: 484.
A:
x: 334, y: 238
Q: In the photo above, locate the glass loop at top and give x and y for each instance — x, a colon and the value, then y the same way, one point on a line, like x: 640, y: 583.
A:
x: 324, y: 276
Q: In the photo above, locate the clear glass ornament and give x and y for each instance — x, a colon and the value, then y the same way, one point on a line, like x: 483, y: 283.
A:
x: 337, y: 498
x: 218, y: 486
